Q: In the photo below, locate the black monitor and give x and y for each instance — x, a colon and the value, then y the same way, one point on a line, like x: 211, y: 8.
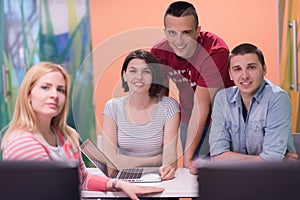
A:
x: 39, y: 180
x: 264, y: 181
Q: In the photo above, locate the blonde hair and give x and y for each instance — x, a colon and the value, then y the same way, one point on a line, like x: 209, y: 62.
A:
x: 24, y: 118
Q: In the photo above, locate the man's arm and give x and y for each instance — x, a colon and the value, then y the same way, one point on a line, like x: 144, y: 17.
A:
x: 277, y: 134
x: 201, y: 109
x: 233, y: 156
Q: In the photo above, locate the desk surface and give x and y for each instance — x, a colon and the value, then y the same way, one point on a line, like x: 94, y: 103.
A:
x: 184, y: 185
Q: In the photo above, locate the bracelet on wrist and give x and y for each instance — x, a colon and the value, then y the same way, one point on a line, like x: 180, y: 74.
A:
x: 114, y: 185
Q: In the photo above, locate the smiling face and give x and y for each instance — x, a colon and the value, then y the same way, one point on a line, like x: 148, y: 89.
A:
x: 182, y: 34
x: 138, y: 76
x: 247, y: 73
x: 48, y: 95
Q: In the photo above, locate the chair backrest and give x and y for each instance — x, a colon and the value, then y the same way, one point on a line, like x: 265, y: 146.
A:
x: 267, y: 181
x: 39, y: 180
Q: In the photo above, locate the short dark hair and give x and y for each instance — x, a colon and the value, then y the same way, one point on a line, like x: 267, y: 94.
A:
x: 181, y: 9
x: 153, y: 64
x: 246, y: 48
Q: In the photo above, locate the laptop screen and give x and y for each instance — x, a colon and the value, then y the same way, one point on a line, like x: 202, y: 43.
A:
x: 131, y: 174
x: 39, y: 180
x: 97, y: 157
x: 267, y: 181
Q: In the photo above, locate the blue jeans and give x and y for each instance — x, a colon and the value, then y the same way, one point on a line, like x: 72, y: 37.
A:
x: 203, y: 142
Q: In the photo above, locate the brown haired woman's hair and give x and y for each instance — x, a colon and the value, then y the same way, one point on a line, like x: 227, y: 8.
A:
x: 152, y: 63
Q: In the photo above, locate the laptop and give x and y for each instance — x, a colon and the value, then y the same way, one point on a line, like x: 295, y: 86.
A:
x: 103, y: 163
x: 266, y: 181
x: 39, y: 180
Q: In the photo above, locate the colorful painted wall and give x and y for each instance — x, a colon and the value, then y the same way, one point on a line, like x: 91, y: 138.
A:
x: 121, y: 26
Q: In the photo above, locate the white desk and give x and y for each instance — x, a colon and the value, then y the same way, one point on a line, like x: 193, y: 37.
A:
x: 184, y: 185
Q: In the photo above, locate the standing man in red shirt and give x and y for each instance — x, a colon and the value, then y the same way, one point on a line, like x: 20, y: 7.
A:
x: 196, y: 61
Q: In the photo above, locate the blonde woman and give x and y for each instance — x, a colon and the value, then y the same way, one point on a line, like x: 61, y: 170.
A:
x: 38, y: 129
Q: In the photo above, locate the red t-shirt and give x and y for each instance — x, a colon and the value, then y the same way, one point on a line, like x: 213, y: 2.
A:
x: 208, y: 67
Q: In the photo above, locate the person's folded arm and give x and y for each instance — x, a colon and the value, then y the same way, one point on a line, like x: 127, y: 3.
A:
x: 234, y: 156
x: 219, y: 136
x: 278, y: 128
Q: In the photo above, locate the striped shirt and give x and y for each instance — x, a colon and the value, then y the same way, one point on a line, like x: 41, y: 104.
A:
x: 28, y: 146
x: 147, y: 138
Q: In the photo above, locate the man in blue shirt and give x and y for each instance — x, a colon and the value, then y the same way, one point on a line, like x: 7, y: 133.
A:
x: 252, y: 120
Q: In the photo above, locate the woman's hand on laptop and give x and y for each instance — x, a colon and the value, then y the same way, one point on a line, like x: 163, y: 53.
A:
x: 131, y: 190
x: 167, y: 172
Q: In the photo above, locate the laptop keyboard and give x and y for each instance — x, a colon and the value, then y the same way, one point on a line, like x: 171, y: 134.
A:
x: 131, y: 173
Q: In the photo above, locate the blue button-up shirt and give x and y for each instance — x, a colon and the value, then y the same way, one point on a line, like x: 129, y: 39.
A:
x: 266, y: 131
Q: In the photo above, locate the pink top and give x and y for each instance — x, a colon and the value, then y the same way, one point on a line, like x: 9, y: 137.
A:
x: 27, y: 146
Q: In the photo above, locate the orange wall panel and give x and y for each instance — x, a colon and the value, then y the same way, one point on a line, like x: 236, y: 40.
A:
x: 122, y: 26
